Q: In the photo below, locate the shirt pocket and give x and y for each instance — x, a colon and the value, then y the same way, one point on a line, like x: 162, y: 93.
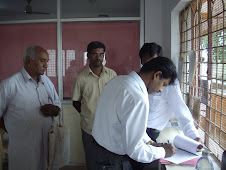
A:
x: 154, y: 103
x: 90, y: 89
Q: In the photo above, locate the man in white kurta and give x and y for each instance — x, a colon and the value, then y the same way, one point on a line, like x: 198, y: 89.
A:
x: 22, y: 100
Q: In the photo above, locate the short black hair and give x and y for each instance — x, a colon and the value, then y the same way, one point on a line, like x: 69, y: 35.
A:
x: 150, y: 49
x: 163, y: 64
x: 160, y: 52
x: 94, y: 45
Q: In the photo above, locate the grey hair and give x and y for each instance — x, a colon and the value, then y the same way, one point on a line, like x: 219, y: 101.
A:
x: 29, y: 51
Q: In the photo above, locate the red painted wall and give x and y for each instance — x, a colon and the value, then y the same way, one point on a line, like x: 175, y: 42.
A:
x: 120, y: 38
x: 15, y: 38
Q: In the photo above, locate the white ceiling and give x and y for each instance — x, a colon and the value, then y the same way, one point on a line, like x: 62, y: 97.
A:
x: 14, y: 9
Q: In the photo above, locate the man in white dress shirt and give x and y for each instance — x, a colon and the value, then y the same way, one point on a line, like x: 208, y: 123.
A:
x: 28, y: 100
x: 119, y: 130
x: 162, y: 105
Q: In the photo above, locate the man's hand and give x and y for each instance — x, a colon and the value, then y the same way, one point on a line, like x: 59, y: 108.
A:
x: 154, y: 144
x: 198, y: 140
x: 77, y: 105
x: 157, y: 144
x: 199, y: 148
x: 169, y: 148
x: 50, y: 110
x: 2, y: 124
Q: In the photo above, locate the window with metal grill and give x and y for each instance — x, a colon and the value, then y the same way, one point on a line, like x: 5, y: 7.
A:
x: 203, y: 30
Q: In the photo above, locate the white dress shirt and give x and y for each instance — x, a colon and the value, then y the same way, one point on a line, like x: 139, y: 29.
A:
x: 121, y: 119
x: 162, y: 105
x: 20, y: 101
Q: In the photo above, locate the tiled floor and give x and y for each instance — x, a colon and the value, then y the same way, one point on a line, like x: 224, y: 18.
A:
x: 5, y: 167
x: 73, y: 168
x: 84, y: 168
x: 70, y: 167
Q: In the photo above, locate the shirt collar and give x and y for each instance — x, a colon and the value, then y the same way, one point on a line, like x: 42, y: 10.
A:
x: 27, y: 77
x: 140, y: 82
x: 104, y: 70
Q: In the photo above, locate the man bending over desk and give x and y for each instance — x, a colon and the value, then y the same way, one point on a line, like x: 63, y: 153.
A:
x: 162, y: 105
x: 119, y: 129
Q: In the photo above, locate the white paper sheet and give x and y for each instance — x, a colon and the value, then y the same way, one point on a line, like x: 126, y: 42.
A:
x: 181, y: 156
x: 192, y: 63
x: 186, y: 143
x: 180, y: 70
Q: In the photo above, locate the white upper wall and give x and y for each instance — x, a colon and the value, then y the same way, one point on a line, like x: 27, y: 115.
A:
x: 162, y: 25
x: 153, y: 21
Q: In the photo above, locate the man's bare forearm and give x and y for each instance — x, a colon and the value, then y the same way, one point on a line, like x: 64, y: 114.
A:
x: 77, y: 105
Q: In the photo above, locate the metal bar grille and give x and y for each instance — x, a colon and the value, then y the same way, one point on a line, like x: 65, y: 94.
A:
x: 203, y: 29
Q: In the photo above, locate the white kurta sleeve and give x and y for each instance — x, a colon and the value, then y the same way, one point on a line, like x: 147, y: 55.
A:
x: 52, y: 92
x: 3, y: 98
x: 181, y: 111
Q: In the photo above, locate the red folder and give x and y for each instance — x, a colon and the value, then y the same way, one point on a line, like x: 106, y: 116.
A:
x: 191, y: 162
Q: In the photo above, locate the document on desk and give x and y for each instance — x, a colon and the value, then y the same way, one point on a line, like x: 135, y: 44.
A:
x: 181, y: 156
x: 186, y: 149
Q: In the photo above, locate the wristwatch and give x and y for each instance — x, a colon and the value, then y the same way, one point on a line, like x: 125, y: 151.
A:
x: 150, y: 142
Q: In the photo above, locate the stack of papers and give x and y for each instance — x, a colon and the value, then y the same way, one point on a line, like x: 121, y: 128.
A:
x: 191, y: 162
x: 181, y: 156
x: 186, y: 150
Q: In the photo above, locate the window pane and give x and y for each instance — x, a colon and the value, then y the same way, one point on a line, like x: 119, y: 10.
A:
x: 223, y: 140
x: 210, y: 74
x: 204, y: 42
x: 217, y: 38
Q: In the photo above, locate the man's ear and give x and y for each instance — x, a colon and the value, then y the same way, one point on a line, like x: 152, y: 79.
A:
x: 28, y: 60
x: 157, y: 74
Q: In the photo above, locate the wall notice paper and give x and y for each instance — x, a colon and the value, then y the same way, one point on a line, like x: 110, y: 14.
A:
x: 180, y: 70
x: 186, y: 149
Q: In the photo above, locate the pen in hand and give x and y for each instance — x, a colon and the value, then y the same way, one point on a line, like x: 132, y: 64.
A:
x: 169, y: 149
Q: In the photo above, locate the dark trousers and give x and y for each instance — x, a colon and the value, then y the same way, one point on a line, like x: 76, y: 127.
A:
x: 86, y: 140
x: 100, y: 158
x: 153, y: 134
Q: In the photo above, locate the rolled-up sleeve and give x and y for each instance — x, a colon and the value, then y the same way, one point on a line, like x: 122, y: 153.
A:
x: 181, y: 111
x: 76, y: 93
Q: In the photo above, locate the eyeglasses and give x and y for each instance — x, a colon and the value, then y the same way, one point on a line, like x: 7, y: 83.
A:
x: 97, y: 54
